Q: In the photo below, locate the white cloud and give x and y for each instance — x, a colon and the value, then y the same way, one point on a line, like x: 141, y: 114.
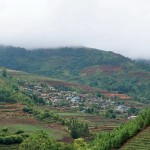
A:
x: 122, y: 26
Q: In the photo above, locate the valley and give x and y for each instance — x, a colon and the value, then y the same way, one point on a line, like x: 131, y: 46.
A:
x: 100, y: 99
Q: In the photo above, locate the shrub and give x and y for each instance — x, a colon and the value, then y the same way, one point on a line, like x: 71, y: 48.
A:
x: 19, y: 131
x: 24, y: 135
x: 27, y: 109
x: 12, y: 139
x: 40, y: 141
x: 17, y: 139
x: 4, y: 129
x: 1, y: 140
x: 8, y: 140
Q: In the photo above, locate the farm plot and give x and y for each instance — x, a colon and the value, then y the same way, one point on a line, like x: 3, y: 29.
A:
x: 140, y: 142
x: 96, y: 123
x: 13, y: 118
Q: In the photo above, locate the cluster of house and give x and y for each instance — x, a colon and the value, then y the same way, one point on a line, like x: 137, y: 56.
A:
x: 51, y: 95
x: 55, y: 97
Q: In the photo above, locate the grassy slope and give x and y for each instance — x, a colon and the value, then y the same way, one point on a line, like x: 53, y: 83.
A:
x: 139, y: 142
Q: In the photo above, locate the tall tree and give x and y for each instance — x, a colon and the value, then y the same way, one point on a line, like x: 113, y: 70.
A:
x: 4, y: 72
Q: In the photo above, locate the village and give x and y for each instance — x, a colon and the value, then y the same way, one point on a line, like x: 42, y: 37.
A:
x: 69, y: 99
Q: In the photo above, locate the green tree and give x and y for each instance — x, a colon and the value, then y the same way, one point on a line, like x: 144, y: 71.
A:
x: 39, y: 141
x: 79, y: 144
x: 98, y: 94
x: 4, y: 73
x: 78, y: 129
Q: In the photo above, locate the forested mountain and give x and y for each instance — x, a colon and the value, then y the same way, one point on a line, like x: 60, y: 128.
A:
x: 106, y: 70
x: 58, y: 62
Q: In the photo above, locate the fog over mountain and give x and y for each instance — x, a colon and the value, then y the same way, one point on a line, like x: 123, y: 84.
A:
x: 120, y: 26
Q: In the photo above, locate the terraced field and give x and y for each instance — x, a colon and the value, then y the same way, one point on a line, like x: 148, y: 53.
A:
x: 13, y: 118
x: 140, y: 142
x: 96, y: 123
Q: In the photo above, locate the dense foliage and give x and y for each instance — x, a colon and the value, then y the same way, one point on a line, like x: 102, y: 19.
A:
x: 9, y: 92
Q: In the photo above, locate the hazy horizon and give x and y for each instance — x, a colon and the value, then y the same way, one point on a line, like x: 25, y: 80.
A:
x: 55, y: 47
x: 119, y: 26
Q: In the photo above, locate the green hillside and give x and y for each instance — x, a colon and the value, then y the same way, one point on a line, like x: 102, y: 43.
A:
x: 97, y: 68
x: 60, y: 62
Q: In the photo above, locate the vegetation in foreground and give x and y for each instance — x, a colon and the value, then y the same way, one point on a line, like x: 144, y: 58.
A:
x: 139, y: 142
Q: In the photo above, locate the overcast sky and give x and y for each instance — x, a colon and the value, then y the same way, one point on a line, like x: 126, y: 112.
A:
x: 122, y: 26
